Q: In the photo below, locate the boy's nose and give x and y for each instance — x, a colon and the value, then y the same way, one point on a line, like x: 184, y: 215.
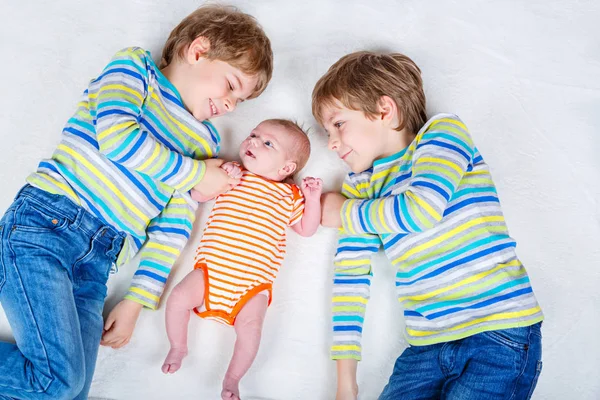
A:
x: 333, y: 144
x: 229, y: 104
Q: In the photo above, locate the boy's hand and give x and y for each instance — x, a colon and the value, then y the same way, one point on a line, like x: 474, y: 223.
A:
x: 311, y: 188
x: 215, y: 181
x: 196, y: 196
x: 233, y: 170
x: 119, y: 325
x: 331, y: 207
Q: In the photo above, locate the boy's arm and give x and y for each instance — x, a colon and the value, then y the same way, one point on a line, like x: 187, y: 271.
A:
x: 119, y: 94
x: 351, y: 288
x: 167, y: 235
x: 311, y: 217
x: 443, y: 155
x: 351, y: 292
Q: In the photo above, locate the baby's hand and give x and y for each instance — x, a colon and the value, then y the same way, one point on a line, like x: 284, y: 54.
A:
x: 216, y: 181
x: 233, y: 170
x: 311, y: 188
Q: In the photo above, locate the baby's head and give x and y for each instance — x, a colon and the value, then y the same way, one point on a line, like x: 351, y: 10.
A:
x: 365, y: 98
x: 275, y: 149
x: 216, y: 58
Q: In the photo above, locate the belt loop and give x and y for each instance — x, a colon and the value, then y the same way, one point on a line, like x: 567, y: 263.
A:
x: 116, y: 245
x: 78, y: 218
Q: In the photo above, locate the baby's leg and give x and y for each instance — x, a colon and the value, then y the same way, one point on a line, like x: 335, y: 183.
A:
x: 248, y: 328
x: 188, y: 294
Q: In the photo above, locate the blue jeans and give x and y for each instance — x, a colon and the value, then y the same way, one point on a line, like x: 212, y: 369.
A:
x: 503, y: 364
x: 55, y: 258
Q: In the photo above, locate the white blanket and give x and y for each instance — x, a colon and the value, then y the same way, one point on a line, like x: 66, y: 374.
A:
x: 525, y: 78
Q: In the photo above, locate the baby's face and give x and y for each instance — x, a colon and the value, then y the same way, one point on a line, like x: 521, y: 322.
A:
x: 265, y: 151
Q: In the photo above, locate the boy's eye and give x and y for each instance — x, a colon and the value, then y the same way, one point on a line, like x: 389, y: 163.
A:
x: 338, y: 124
x: 230, y: 86
x: 268, y: 143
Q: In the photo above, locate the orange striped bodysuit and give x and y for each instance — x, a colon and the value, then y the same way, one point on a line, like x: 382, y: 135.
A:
x: 244, y: 243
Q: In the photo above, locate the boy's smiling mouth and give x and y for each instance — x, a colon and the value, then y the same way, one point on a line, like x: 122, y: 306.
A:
x: 249, y: 154
x: 343, y: 157
x: 213, y: 109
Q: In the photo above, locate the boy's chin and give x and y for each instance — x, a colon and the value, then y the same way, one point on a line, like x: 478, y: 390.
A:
x: 358, y: 168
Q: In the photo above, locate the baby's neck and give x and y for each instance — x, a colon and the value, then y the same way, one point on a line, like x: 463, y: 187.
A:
x: 275, y: 176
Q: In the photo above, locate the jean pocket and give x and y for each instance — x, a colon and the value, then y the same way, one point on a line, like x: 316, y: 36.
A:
x: 517, y: 338
x: 31, y: 217
x: 538, y: 371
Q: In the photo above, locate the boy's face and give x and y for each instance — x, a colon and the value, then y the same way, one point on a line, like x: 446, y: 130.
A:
x: 265, y: 151
x: 214, y: 87
x: 355, y: 138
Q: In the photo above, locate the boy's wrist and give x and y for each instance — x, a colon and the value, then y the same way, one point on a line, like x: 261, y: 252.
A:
x: 346, y: 372
x: 133, y: 303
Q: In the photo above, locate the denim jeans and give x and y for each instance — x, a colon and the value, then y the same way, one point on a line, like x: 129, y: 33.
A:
x: 55, y: 258
x: 502, y: 364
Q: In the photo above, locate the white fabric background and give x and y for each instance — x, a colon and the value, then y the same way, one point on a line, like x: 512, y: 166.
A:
x: 524, y: 76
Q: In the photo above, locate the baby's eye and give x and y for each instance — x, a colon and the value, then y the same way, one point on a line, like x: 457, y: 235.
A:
x: 230, y: 86
x: 268, y: 143
x: 338, y: 124
x: 252, y: 135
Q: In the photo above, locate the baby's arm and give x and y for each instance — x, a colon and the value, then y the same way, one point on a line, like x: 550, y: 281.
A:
x: 311, y: 189
x: 234, y: 172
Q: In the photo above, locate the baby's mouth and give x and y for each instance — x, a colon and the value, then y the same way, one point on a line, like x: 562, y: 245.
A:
x: 249, y: 154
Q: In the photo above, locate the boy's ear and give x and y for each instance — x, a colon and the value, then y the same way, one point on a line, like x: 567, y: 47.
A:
x: 288, y: 168
x: 197, y: 49
x: 388, y: 110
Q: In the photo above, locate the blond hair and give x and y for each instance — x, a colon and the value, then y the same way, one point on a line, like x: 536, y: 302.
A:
x: 359, y: 80
x: 300, y: 150
x: 235, y: 38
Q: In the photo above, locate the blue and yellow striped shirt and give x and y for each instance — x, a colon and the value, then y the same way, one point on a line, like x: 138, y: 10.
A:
x: 129, y: 155
x: 435, y: 210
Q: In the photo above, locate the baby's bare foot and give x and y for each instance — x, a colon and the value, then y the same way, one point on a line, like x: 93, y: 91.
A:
x: 173, y: 361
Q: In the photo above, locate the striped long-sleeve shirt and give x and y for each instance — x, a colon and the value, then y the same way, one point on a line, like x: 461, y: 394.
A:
x: 129, y: 155
x: 435, y: 210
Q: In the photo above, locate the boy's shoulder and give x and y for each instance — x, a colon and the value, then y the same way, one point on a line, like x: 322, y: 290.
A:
x: 443, y: 133
x: 134, y: 57
x: 133, y: 52
x: 442, y: 124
